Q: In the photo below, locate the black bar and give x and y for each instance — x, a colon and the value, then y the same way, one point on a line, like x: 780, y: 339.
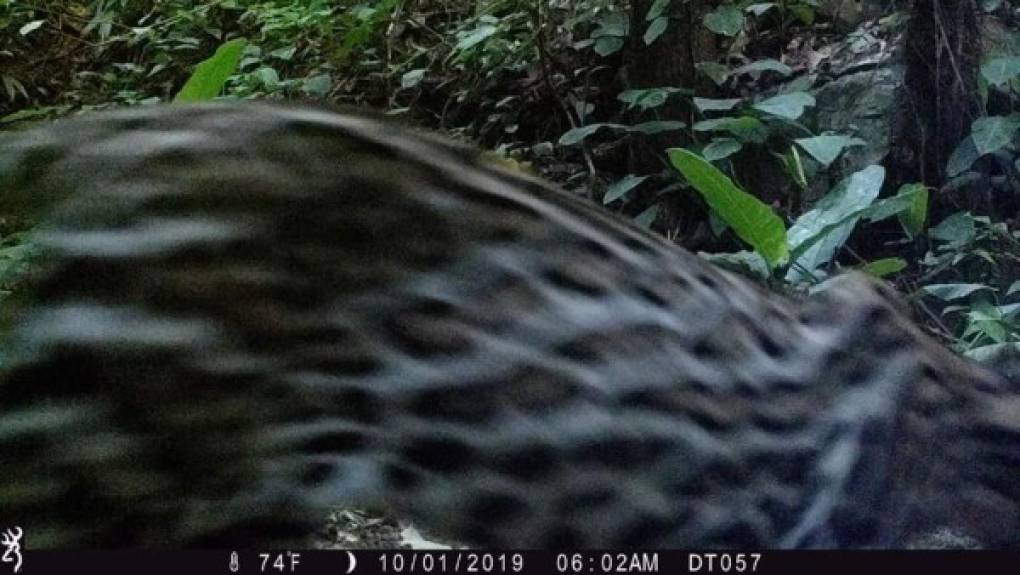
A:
x: 457, y: 562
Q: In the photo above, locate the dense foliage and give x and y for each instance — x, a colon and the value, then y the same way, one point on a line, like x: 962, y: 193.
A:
x: 545, y: 85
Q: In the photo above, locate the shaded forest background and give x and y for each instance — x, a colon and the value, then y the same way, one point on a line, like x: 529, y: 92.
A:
x: 784, y: 140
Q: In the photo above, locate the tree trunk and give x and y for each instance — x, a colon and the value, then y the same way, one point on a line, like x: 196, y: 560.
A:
x: 942, y: 54
x: 670, y: 61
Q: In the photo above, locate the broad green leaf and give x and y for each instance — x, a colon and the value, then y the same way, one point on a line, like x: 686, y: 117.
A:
x: 646, y: 218
x: 714, y: 70
x: 575, y: 135
x: 726, y: 20
x: 910, y: 205
x: 648, y: 98
x: 768, y: 65
x: 950, y: 292
x: 761, y: 8
x: 412, y: 78
x: 985, y: 322
x: 571, y: 137
x: 619, y: 188
x: 790, y: 106
x: 743, y: 262
x: 916, y: 215
x: 285, y: 54
x: 657, y: 126
x: 716, y: 105
x: 884, y: 267
x: 657, y: 9
x: 999, y: 71
x: 474, y: 37
x: 992, y: 133
x: 655, y: 29
x: 825, y: 149
x: 268, y: 76
x: 608, y: 45
x: 958, y: 229
x: 207, y: 81
x: 1013, y: 288
x: 745, y: 128
x: 1009, y: 310
x: 984, y: 311
x: 962, y: 158
x: 30, y: 27
x: 818, y: 233
x: 318, y: 86
x: 751, y: 219
x: 612, y: 24
x: 720, y: 148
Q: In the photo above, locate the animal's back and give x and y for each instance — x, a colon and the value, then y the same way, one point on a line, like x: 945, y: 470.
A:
x: 250, y: 312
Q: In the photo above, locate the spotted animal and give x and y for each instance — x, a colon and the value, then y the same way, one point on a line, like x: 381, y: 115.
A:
x: 247, y: 313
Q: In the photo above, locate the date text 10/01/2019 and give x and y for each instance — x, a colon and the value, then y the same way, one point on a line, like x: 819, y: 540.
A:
x: 574, y: 563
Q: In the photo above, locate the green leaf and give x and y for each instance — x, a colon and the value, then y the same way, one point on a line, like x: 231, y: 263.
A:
x: 716, y: 105
x: 612, y: 24
x: 657, y: 126
x: 958, y: 229
x: 751, y: 219
x: 746, y: 128
x: 1009, y: 310
x: 818, y: 233
x: 910, y: 205
x: 720, y: 148
x: 648, y: 98
x: 318, y: 86
x: 825, y: 149
x: 285, y: 54
x: 211, y: 74
x: 884, y: 267
x: 764, y: 66
x: 999, y: 71
x: 575, y: 135
x: 619, y: 188
x: 30, y: 27
x: 571, y: 137
x: 962, y: 158
x: 761, y: 8
x: 1013, y: 288
x: 714, y: 70
x: 985, y: 322
x: 646, y: 218
x: 742, y: 262
x: 655, y: 29
x: 608, y: 45
x: 790, y: 106
x: 268, y: 76
x: 914, y: 217
x: 726, y: 20
x: 992, y: 133
x: 950, y: 292
x: 658, y: 9
x: 474, y: 37
x: 412, y: 78
x: 794, y: 167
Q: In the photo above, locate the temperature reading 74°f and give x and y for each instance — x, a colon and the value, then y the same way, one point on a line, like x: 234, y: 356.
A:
x: 285, y: 562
